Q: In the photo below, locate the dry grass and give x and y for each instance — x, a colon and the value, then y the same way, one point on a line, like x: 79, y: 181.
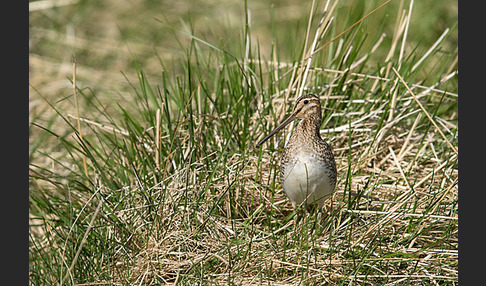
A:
x: 400, y: 216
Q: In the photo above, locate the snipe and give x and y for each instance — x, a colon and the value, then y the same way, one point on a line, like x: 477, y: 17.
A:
x: 307, y: 168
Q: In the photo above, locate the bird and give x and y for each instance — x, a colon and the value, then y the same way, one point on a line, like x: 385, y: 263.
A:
x: 307, y: 167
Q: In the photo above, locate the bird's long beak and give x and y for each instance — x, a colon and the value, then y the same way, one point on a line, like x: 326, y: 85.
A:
x: 282, y: 125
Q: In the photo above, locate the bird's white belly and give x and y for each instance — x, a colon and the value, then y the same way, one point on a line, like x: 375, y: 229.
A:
x: 306, y: 180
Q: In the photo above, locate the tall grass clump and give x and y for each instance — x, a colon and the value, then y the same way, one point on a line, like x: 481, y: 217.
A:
x: 168, y: 187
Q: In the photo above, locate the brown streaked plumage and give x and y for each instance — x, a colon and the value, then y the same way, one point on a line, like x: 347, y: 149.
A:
x: 307, y: 169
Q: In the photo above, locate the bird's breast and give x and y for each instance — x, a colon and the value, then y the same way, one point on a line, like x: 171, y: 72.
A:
x: 305, y: 177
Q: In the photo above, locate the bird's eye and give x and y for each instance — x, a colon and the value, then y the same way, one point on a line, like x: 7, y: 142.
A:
x: 306, y: 101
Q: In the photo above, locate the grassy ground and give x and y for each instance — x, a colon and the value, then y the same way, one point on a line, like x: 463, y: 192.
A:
x: 147, y: 173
